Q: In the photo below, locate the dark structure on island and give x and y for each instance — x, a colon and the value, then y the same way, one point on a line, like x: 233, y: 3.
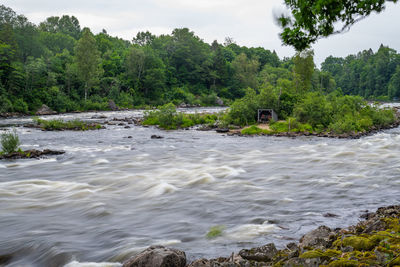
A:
x: 265, y: 115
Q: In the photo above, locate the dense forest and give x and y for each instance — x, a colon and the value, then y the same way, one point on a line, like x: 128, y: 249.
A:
x: 68, y: 68
x: 371, y: 75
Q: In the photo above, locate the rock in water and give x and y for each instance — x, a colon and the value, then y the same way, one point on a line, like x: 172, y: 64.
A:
x: 112, y: 105
x: 45, y: 110
x: 158, y: 256
x: 156, y: 137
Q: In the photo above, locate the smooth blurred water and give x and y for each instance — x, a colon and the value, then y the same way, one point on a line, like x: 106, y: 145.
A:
x: 109, y: 197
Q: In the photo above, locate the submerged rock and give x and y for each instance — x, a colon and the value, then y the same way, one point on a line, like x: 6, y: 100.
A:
x: 156, y: 137
x: 222, y: 130
x: 158, y: 256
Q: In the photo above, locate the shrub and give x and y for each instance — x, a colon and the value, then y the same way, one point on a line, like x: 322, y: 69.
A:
x: 168, y: 118
x: 314, y: 109
x: 254, y: 130
x: 57, y: 125
x: 9, y: 142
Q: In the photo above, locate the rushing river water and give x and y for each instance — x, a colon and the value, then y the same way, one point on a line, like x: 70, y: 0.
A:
x: 109, y: 196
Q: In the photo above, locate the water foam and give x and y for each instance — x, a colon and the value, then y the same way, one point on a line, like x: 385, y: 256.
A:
x: 92, y: 264
x: 251, y: 231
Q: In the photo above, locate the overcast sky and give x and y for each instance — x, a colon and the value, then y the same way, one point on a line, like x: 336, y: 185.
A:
x: 248, y: 22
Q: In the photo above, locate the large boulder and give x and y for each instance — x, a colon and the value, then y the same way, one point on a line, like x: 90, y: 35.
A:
x: 112, y: 105
x: 219, y: 101
x: 157, y: 256
x: 45, y: 110
x: 318, y: 238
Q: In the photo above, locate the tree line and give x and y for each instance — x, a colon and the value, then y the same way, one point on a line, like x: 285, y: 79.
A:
x: 68, y: 68
x: 371, y: 75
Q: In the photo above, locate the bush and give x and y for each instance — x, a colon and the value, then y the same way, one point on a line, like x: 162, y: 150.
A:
x: 9, y: 142
x: 314, y: 109
x: 254, y: 130
x: 168, y: 118
x: 58, y: 125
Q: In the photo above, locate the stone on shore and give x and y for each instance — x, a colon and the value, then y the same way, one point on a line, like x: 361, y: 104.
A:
x: 112, y: 105
x: 265, y: 253
x: 158, y: 256
x: 45, y: 110
x: 318, y: 238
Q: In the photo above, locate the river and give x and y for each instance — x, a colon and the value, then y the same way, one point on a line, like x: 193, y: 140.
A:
x: 110, y: 196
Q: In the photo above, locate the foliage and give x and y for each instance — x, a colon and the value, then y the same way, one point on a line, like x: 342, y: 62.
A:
x: 9, y: 142
x: 166, y: 117
x: 254, y: 130
x: 312, y: 20
x: 87, y: 60
x: 59, y: 125
x: 215, y: 231
x: 371, y: 75
x: 314, y: 109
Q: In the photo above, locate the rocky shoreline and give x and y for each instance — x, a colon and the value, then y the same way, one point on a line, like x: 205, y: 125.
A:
x: 351, y: 135
x: 31, y: 154
x: 375, y: 241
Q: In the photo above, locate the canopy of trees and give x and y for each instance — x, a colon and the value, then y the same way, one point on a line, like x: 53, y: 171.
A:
x: 311, y: 20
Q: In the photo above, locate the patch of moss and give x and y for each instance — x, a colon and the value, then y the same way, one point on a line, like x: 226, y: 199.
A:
x: 215, y: 231
x: 358, y: 243
x: 317, y: 253
x: 344, y: 263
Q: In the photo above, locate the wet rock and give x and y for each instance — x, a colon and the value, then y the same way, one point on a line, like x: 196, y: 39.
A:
x: 330, y: 215
x: 33, y: 153
x: 318, y: 238
x: 183, y: 105
x: 112, y: 105
x: 264, y: 253
x: 100, y: 116
x: 121, y: 124
x: 158, y: 256
x: 45, y: 110
x: 5, y: 259
x: 302, y: 262
x: 200, y: 263
x: 156, y: 137
x: 127, y: 127
x: 130, y: 137
x: 222, y: 130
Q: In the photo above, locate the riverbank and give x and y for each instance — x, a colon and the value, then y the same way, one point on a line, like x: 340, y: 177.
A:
x: 350, y: 135
x: 31, y: 154
x: 375, y: 241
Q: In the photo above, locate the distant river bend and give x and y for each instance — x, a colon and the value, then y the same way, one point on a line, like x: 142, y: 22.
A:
x: 110, y: 196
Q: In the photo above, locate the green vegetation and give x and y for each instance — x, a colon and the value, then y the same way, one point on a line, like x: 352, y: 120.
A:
x: 215, y: 231
x: 9, y: 142
x: 311, y: 112
x: 68, y: 68
x: 372, y: 75
x: 166, y: 117
x: 254, y: 130
x: 59, y: 125
x: 312, y: 20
